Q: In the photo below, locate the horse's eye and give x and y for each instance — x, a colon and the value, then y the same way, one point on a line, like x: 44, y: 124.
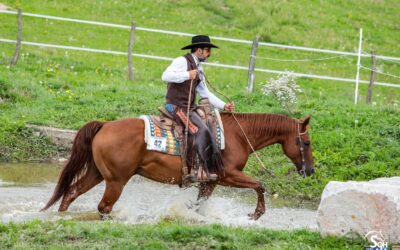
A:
x: 307, y: 143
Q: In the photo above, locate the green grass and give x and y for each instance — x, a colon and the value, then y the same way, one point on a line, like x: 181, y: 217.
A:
x: 67, y: 89
x: 329, y: 25
x: 164, y: 235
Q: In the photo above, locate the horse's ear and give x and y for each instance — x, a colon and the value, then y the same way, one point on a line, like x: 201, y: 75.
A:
x: 305, y: 123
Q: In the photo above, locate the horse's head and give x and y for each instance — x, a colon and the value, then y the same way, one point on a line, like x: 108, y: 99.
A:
x: 297, y: 147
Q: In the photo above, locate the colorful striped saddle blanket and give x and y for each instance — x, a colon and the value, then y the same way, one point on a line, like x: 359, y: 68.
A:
x: 163, y: 140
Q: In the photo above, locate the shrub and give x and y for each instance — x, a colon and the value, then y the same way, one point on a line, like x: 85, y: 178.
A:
x: 283, y: 89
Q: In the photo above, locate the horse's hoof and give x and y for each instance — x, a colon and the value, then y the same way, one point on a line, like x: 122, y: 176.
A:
x: 254, y: 216
x: 251, y: 216
x: 193, y: 205
x: 105, y: 217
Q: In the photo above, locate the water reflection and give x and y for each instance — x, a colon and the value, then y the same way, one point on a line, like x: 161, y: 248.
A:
x: 27, y: 174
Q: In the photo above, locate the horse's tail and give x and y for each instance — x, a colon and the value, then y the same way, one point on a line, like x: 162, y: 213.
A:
x: 78, y: 162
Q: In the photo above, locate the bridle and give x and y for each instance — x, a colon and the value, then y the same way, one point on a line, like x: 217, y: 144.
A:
x: 302, y: 171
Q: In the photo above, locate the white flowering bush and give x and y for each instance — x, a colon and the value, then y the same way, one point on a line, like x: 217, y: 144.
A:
x: 284, y: 89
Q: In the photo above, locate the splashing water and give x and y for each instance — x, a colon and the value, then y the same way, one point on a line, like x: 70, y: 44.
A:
x: 144, y: 201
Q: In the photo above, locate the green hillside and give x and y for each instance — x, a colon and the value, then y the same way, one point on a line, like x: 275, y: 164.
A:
x: 66, y: 89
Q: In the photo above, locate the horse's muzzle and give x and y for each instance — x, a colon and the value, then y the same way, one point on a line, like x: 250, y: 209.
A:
x: 306, y: 171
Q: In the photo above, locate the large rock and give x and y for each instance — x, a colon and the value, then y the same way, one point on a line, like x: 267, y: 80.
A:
x: 349, y: 208
x: 60, y: 137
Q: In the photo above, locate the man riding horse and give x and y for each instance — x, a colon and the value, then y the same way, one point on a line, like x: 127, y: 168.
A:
x: 185, y: 78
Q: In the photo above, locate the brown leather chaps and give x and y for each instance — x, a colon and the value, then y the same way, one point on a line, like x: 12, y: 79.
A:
x: 202, y: 149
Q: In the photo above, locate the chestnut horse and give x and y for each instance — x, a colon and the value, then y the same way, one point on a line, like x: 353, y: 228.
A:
x: 115, y: 151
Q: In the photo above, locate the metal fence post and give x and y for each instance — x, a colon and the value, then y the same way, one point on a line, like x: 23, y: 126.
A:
x: 250, y: 82
x: 372, y: 77
x: 19, y: 39
x: 130, y: 49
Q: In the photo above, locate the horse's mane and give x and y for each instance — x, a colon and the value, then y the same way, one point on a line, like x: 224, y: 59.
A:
x: 263, y: 123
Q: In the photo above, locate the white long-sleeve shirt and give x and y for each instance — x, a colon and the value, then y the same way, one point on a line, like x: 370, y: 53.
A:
x: 177, y: 73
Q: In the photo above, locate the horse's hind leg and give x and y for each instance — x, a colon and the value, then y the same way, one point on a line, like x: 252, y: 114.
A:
x: 91, y: 178
x: 111, y: 195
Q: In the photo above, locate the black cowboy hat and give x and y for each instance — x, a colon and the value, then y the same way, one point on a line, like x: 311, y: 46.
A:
x: 200, y: 41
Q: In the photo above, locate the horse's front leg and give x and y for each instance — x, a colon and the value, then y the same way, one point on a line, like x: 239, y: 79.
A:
x: 206, y: 190
x: 240, y: 180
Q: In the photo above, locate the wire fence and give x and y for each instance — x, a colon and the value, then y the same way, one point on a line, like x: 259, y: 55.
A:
x: 380, y: 72
x: 207, y: 63
x: 341, y: 54
x: 190, y: 35
x: 300, y: 60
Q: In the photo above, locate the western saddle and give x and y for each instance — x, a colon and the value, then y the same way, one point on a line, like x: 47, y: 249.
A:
x: 166, y: 121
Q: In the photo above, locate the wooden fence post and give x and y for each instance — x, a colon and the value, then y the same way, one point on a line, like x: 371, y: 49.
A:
x: 19, y: 39
x: 130, y: 49
x: 372, y: 77
x: 250, y: 82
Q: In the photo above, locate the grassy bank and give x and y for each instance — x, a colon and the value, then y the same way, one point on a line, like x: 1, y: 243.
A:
x: 165, y: 235
x: 67, y: 89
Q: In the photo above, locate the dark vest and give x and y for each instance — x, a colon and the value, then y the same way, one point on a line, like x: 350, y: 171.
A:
x: 178, y: 93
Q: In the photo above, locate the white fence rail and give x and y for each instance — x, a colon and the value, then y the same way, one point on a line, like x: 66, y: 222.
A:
x: 213, y: 37
x: 343, y: 53
x: 210, y: 64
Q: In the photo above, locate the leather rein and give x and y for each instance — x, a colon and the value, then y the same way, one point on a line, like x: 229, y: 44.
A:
x: 240, y: 126
x: 299, y: 134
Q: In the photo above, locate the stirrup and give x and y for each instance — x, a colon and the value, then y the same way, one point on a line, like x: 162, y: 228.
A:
x: 213, y: 177
x: 202, y: 176
x: 190, y: 178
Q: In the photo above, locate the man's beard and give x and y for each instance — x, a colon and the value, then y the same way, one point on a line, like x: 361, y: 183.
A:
x: 204, y: 59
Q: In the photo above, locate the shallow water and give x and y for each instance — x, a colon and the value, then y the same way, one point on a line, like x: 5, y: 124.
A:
x: 25, y: 188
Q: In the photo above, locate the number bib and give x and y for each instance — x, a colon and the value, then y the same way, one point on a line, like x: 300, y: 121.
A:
x: 157, y: 143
